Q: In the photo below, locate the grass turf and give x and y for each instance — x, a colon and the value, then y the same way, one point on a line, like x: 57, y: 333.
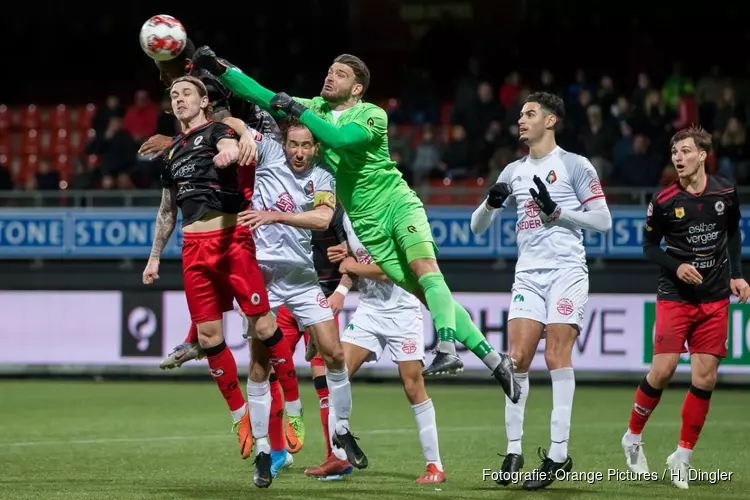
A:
x: 156, y: 440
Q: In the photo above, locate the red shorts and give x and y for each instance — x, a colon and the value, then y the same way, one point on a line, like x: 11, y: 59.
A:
x: 292, y: 334
x: 219, y: 266
x: 703, y: 326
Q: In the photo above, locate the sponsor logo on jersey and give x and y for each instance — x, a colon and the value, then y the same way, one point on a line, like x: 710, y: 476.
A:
x: 595, y: 187
x: 197, y: 141
x: 411, y: 229
x: 255, y: 299
x: 309, y: 188
x: 679, y: 212
x: 363, y: 257
x: 551, y: 177
x: 719, y: 207
x: 217, y: 373
x: 370, y: 122
x: 531, y: 208
x: 285, y: 202
x: 323, y: 301
x: 518, y: 298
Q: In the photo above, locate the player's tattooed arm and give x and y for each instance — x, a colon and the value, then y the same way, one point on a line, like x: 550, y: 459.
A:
x: 166, y: 221
x: 248, y: 148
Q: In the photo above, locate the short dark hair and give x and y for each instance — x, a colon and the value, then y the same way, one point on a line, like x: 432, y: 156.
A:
x: 702, y: 139
x: 289, y: 123
x: 549, y: 102
x: 359, y: 68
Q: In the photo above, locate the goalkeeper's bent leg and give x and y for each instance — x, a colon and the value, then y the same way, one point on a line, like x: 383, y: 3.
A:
x: 469, y: 335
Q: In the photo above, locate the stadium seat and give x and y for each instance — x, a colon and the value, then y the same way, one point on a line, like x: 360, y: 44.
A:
x: 6, y: 144
x: 6, y: 119
x: 31, y: 117
x: 64, y: 165
x: 474, y: 193
x: 60, y: 144
x: 446, y: 112
x: 27, y: 166
x: 77, y: 143
x: 441, y: 193
x: 31, y: 142
x: 84, y: 116
x: 59, y: 117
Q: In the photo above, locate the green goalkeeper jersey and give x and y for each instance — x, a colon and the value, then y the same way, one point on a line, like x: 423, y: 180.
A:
x: 367, y: 180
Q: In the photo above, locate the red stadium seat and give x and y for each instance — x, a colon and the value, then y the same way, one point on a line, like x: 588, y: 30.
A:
x: 59, y: 117
x: 60, y: 144
x: 31, y: 142
x: 28, y: 166
x: 446, y: 112
x: 64, y: 165
x: 31, y: 117
x: 6, y: 144
x: 6, y: 118
x: 85, y: 116
x: 77, y: 143
x: 441, y: 193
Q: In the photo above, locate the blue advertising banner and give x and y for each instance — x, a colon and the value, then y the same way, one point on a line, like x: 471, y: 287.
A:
x: 128, y: 232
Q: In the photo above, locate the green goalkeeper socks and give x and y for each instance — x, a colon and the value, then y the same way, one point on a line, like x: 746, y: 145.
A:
x: 440, y: 303
x: 470, y: 336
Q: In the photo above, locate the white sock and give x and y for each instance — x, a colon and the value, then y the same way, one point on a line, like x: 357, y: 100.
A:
x: 259, y: 399
x: 340, y: 397
x: 293, y: 407
x: 424, y: 413
x: 563, y: 390
x: 632, y: 438
x: 338, y: 452
x: 239, y: 413
x: 685, y: 454
x: 514, y: 414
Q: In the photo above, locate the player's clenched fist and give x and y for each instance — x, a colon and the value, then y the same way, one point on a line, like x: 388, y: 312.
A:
x: 740, y: 289
x: 284, y: 102
x: 225, y: 158
x: 151, y: 273
x: 155, y: 144
x: 498, y: 194
x: 205, y: 58
x: 688, y: 274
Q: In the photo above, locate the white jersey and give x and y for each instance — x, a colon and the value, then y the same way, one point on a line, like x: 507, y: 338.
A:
x: 378, y: 297
x: 573, y: 184
x: 279, y: 189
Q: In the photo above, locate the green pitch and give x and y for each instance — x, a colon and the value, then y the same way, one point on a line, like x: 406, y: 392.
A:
x: 148, y: 440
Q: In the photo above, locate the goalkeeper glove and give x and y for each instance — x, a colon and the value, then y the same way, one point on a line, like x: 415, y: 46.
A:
x: 205, y: 58
x: 543, y: 200
x: 290, y: 107
x: 498, y: 194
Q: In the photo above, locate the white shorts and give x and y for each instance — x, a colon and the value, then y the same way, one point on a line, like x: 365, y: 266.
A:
x: 402, y: 334
x: 297, y: 289
x: 551, y: 296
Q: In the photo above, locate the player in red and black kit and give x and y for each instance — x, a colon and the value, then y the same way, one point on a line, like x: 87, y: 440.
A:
x: 698, y: 218
x: 335, y: 287
x: 202, y: 178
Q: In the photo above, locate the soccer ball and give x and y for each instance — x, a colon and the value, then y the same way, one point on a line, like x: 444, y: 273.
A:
x: 163, y: 37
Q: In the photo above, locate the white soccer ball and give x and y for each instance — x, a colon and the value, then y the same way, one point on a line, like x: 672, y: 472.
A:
x: 163, y: 37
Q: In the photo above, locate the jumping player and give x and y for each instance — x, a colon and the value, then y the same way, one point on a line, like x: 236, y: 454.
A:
x: 389, y: 317
x: 386, y: 214
x: 218, y: 256
x: 291, y: 197
x: 557, y: 194
x: 698, y: 217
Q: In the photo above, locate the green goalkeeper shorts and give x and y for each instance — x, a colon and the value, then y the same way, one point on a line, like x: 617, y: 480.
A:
x: 403, y: 225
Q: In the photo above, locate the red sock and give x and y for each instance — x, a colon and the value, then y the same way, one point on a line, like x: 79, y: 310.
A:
x: 224, y: 371
x: 192, y: 336
x: 276, y: 424
x: 694, y: 412
x: 283, y: 365
x: 321, y: 387
x: 646, y: 399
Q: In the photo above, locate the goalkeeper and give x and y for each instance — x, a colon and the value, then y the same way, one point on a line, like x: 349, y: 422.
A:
x: 387, y: 216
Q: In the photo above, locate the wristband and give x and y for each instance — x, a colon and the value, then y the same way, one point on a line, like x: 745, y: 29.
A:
x: 342, y: 290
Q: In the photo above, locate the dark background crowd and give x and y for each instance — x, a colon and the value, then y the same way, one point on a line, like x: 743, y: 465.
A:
x: 451, y: 75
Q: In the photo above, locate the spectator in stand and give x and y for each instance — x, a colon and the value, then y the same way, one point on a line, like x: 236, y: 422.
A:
x: 117, y: 150
x: 6, y: 179
x: 727, y: 108
x: 652, y: 121
x: 707, y: 95
x: 605, y: 94
x: 621, y: 110
x: 676, y: 85
x: 580, y: 83
x: 456, y: 162
x: 598, y: 139
x: 547, y: 83
x: 687, y: 112
x: 643, y: 87
x: 166, y: 123
x: 466, y: 87
x: 427, y: 155
x: 639, y: 167
x: 732, y: 152
x: 577, y: 114
x: 476, y: 117
x: 110, y: 109
x: 45, y: 178
x: 510, y: 89
x: 141, y: 117
x: 399, y: 143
